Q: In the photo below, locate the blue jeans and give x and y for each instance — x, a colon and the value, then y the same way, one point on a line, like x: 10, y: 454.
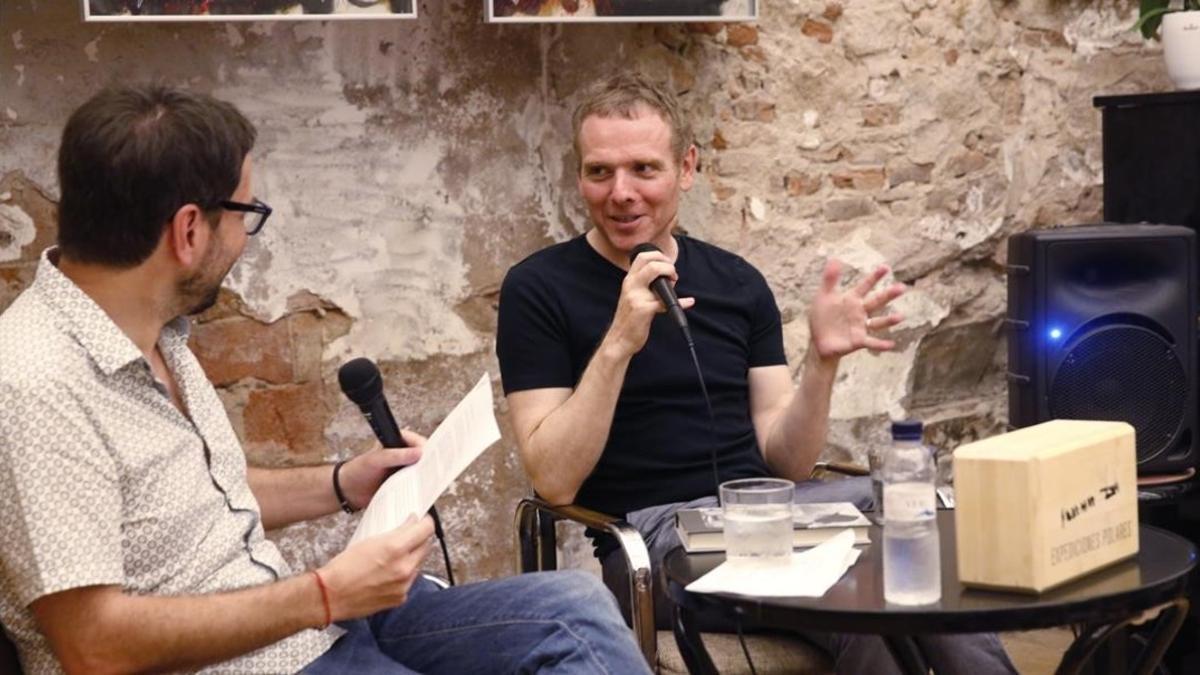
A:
x: 967, y: 654
x: 549, y: 622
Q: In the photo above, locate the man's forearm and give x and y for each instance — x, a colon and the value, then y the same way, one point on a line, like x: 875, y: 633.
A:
x: 801, y: 431
x: 117, y: 632
x: 562, y: 450
x: 290, y: 495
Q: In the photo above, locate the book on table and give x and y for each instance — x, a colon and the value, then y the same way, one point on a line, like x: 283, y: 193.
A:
x: 703, y: 530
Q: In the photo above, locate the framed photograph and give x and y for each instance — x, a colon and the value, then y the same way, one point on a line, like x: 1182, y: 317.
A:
x: 246, y: 10
x: 565, y: 11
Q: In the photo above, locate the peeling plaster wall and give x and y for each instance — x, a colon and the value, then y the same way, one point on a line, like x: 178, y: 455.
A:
x: 411, y: 163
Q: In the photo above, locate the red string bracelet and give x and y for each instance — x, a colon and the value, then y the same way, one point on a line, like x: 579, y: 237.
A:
x: 324, y: 598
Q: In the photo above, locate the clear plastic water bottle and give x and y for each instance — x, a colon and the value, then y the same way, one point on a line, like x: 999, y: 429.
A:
x: 912, y: 567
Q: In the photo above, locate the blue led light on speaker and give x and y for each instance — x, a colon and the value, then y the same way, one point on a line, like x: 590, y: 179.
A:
x: 1055, y: 333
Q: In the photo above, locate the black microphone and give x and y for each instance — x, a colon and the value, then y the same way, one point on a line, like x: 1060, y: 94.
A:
x: 662, y: 288
x: 362, y: 383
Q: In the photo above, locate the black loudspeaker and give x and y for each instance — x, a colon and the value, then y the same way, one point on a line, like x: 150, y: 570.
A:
x: 1102, y: 326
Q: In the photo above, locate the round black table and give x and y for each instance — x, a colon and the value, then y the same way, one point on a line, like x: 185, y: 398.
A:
x: 1103, y: 602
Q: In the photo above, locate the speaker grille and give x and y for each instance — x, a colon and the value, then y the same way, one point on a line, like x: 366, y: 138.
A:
x: 1125, y: 373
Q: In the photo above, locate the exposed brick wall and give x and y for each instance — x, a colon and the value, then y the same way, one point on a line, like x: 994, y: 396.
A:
x: 411, y: 163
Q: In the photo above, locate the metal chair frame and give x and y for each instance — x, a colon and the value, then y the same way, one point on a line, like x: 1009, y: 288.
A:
x: 537, y: 550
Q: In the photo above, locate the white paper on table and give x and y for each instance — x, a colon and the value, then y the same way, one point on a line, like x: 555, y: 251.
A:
x: 466, y: 432
x: 808, y: 574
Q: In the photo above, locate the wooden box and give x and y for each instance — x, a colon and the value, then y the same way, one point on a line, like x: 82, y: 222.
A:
x: 1045, y: 504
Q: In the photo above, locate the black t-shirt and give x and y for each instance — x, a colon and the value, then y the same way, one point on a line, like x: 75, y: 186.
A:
x: 555, y: 307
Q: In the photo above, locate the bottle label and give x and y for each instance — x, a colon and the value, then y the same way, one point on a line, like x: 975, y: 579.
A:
x: 909, y: 501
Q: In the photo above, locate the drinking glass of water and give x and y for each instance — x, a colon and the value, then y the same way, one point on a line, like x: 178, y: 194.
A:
x: 758, y: 520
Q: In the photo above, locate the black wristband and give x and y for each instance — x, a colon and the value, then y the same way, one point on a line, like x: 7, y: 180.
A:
x: 337, y: 488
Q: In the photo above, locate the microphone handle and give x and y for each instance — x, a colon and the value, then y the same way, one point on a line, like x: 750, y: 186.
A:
x: 379, y: 416
x: 662, y: 288
x: 676, y: 313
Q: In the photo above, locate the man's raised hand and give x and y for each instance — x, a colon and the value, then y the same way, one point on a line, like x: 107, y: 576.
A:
x: 841, y: 321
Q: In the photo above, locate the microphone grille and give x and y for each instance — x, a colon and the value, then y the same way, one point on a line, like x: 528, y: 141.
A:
x: 360, y: 380
x: 642, y: 248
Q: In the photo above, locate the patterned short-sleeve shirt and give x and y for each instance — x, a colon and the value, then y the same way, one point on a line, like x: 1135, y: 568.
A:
x: 103, y: 481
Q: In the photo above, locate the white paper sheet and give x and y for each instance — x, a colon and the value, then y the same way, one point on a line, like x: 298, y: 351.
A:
x: 809, y: 573
x: 466, y: 432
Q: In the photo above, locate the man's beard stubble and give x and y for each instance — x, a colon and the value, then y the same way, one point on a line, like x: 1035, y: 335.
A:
x: 206, y: 301
x: 198, y: 292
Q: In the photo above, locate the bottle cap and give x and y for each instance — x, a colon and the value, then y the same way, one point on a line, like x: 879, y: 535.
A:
x: 907, y: 430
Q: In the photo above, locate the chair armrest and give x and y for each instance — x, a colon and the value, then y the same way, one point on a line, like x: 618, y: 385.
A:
x: 845, y: 468
x: 537, y: 549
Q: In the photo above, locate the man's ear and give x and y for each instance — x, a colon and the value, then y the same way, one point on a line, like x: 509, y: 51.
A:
x: 188, y: 234
x: 687, y: 167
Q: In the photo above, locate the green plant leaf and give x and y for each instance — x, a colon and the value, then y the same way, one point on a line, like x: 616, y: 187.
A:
x: 1149, y: 5
x: 1151, y: 17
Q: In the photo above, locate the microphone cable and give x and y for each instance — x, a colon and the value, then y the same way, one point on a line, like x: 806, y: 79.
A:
x: 441, y: 537
x: 662, y: 288
x: 712, y: 418
x: 712, y: 430
x: 737, y: 620
x: 440, y: 534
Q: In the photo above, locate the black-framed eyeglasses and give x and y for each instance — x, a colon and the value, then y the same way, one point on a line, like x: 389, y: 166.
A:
x: 254, y: 223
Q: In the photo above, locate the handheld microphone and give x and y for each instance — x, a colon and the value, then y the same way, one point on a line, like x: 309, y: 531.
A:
x: 362, y: 383
x: 662, y: 288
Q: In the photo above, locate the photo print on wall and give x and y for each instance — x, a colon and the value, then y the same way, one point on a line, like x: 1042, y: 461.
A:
x: 566, y: 11
x: 246, y: 10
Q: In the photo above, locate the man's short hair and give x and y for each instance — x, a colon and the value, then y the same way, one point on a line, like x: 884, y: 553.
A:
x: 131, y: 156
x: 624, y: 95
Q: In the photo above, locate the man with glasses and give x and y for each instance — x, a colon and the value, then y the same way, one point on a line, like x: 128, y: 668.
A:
x: 132, y: 528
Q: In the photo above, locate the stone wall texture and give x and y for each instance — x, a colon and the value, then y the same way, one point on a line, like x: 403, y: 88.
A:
x: 410, y: 163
